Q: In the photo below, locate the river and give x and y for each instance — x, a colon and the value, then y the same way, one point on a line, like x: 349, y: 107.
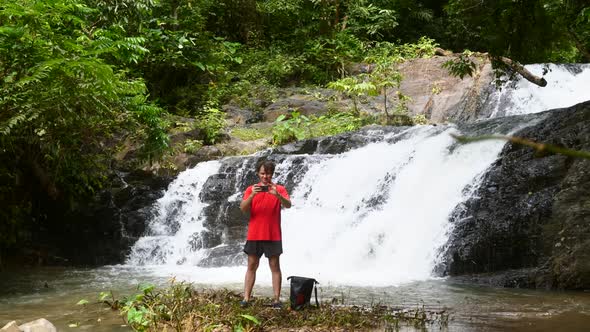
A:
x: 52, y: 293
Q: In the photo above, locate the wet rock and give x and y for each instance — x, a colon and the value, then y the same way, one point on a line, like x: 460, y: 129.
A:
x: 227, y: 255
x: 531, y: 211
x: 102, y: 230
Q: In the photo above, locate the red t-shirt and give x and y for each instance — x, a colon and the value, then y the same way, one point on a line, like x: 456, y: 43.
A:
x: 265, y: 215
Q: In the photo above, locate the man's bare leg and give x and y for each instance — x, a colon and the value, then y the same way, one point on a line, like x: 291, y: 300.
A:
x: 253, y: 261
x: 275, y: 268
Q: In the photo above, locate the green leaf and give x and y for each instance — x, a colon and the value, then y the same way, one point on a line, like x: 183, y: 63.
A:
x: 82, y: 302
x: 148, y: 288
x: 103, y: 295
x: 251, y: 318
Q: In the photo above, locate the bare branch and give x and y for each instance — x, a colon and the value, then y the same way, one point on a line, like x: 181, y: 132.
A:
x: 539, y: 147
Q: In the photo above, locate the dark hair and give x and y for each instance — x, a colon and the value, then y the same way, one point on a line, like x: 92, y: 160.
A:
x: 268, y: 166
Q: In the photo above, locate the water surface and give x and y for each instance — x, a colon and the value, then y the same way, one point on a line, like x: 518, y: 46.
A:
x: 52, y: 293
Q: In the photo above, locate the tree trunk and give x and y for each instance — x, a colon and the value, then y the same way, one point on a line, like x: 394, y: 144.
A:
x: 385, y: 102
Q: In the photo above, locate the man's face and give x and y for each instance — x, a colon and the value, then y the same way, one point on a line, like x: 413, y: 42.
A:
x: 264, y: 176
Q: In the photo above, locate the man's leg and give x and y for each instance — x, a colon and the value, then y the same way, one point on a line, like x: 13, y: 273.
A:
x: 275, y: 268
x: 253, y: 261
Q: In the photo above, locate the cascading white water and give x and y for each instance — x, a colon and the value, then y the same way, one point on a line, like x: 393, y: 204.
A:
x: 567, y: 85
x: 180, y: 205
x: 334, y: 231
x: 373, y: 216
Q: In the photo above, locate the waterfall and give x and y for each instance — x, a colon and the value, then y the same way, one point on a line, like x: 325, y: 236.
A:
x: 376, y: 215
x: 372, y: 215
x: 567, y: 85
x: 173, y: 234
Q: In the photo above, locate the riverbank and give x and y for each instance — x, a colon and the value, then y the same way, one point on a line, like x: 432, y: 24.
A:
x: 180, y: 307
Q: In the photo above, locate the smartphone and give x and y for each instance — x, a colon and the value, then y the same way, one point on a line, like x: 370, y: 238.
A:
x: 263, y: 188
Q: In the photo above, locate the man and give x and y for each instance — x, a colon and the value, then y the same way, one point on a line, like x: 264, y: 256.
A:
x: 264, y: 201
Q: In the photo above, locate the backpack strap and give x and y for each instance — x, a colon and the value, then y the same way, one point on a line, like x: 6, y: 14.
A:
x: 315, y: 289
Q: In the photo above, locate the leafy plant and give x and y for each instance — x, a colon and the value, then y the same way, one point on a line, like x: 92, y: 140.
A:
x: 211, y: 121
x: 192, y: 145
x: 339, y: 122
x: 355, y: 87
x: 299, y: 127
x: 461, y: 66
x: 290, y: 128
x: 420, y: 119
x: 151, y: 308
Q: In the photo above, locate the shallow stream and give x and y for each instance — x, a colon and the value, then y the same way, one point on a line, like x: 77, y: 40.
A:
x: 52, y: 293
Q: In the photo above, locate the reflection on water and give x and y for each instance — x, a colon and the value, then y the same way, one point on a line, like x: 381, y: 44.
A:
x: 52, y: 293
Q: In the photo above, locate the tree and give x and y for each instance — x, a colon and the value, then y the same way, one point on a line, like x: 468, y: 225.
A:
x: 526, y: 31
x: 62, y: 104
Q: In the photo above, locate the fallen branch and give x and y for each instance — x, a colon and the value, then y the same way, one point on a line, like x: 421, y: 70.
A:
x: 539, y: 147
x: 540, y: 81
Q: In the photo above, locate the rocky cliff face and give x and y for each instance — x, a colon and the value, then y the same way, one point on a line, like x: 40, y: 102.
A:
x: 528, y: 224
x: 101, y: 231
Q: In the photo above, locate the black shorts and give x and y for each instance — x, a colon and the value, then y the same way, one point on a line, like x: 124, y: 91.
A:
x: 268, y: 248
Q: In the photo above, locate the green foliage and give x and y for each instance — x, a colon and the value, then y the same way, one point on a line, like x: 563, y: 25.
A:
x: 182, y: 308
x: 355, y: 87
x: 62, y: 103
x: 152, y: 308
x: 527, y: 31
x: 251, y: 134
x: 82, y: 302
x: 273, y: 66
x: 419, y: 119
x: 192, y: 145
x: 370, y: 20
x: 211, y: 121
x: 461, y: 66
x: 338, y: 122
x: 297, y: 127
x: 292, y: 128
x: 330, y: 54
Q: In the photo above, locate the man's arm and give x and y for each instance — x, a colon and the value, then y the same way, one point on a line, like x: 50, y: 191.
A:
x: 285, y: 202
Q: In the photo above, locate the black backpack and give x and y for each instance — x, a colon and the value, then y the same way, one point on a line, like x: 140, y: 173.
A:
x: 301, y: 288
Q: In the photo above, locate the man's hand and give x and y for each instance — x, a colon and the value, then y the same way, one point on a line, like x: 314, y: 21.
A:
x: 273, y: 190
x: 256, y: 189
x: 246, y: 204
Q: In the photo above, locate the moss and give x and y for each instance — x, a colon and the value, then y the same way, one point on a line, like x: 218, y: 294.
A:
x: 251, y: 134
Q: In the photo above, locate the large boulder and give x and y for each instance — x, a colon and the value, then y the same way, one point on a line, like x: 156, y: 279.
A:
x: 442, y: 97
